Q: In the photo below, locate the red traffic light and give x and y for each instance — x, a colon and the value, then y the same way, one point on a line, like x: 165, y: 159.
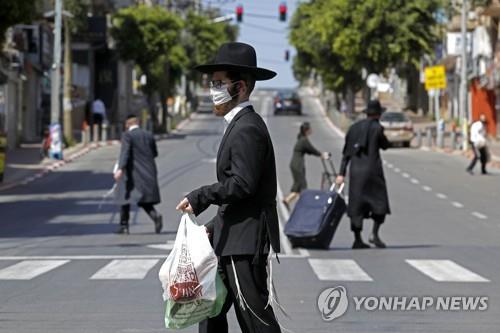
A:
x: 239, y: 13
x: 282, y: 11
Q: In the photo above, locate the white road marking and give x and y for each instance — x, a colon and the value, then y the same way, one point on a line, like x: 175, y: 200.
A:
x: 286, y: 247
x: 338, y: 270
x: 427, y: 188
x: 405, y: 175
x: 441, y: 196
x: 457, y: 204
x: 479, y: 215
x: 415, y: 181
x: 445, y: 271
x: 390, y: 166
x: 209, y: 160
x: 397, y: 170
x: 28, y: 269
x: 125, y: 270
x: 167, y: 247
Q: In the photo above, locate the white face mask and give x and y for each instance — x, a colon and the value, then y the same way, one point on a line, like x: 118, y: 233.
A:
x: 221, y: 95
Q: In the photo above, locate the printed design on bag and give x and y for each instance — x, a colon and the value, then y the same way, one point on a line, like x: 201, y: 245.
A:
x: 185, y: 285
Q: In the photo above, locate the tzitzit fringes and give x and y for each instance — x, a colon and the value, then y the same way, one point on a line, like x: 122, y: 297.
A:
x: 273, y: 300
x: 243, y: 303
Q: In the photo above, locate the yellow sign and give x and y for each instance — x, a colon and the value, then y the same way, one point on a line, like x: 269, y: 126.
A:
x: 435, y: 77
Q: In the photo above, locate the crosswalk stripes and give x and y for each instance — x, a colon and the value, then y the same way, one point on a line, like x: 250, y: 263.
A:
x: 29, y: 269
x: 125, y: 269
x: 137, y: 268
x: 445, y: 271
x: 338, y: 270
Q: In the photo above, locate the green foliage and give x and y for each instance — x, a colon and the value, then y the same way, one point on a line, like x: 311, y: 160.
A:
x: 340, y: 37
x: 14, y: 12
x: 203, y: 38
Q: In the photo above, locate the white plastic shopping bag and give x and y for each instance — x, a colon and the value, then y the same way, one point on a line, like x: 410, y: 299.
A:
x: 189, y: 271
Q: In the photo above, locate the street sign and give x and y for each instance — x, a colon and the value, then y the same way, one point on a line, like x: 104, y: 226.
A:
x: 435, y: 77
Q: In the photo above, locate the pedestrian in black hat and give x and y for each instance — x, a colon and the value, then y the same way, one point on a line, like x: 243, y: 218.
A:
x: 246, y: 224
x: 367, y: 188
x: 137, y: 165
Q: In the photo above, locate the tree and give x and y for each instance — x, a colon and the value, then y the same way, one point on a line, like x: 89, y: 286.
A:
x: 13, y: 12
x: 203, y: 38
x: 341, y: 37
x: 150, y: 36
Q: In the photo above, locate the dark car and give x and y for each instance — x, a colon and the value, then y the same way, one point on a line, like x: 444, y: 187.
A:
x: 205, y: 103
x: 287, y: 101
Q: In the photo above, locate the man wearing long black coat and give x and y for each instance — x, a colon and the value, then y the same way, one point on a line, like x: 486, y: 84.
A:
x: 137, y: 165
x: 367, y: 188
x: 246, y: 224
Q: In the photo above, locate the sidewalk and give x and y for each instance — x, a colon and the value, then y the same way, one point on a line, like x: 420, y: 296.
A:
x: 24, y: 164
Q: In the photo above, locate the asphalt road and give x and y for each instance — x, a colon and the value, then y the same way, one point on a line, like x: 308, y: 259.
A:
x: 59, y: 256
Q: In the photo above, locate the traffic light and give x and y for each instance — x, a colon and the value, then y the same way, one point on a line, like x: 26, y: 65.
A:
x: 287, y: 55
x: 239, y: 13
x: 283, y: 10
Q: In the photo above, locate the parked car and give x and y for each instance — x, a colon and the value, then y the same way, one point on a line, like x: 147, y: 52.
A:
x: 205, y: 103
x: 398, y: 128
x: 287, y: 100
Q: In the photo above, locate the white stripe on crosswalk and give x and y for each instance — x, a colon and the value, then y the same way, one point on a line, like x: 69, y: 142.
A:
x: 445, y: 271
x: 28, y: 269
x: 125, y: 269
x: 338, y: 270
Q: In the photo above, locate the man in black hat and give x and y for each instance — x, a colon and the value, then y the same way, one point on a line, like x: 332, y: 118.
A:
x: 246, y: 224
x: 137, y: 165
x: 367, y: 189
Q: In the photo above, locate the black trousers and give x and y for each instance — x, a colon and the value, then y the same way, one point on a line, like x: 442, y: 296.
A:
x: 253, y: 284
x: 148, y: 208
x: 479, y: 154
x: 357, y: 221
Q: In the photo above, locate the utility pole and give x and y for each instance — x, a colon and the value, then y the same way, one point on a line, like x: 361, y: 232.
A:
x: 463, y: 79
x: 56, y: 66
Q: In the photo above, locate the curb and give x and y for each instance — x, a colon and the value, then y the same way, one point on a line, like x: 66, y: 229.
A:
x: 79, y: 153
x: 494, y: 162
x: 58, y: 164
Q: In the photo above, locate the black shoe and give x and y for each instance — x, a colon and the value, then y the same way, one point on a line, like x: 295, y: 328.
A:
x: 485, y: 172
x: 122, y: 230
x: 377, y: 242
x: 158, y: 223
x: 360, y: 245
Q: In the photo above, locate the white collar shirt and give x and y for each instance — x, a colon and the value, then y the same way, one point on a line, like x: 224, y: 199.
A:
x: 228, y: 117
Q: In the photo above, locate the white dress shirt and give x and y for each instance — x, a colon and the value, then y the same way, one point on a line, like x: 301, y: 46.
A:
x: 133, y: 127
x: 478, y: 134
x: 228, y: 117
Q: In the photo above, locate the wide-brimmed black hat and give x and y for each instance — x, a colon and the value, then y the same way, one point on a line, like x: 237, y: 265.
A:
x: 238, y: 57
x: 374, y: 108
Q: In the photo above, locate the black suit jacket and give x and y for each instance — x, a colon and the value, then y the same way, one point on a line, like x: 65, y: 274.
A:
x: 137, y: 158
x: 247, y: 221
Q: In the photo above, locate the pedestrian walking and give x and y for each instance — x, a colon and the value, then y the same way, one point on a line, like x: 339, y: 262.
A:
x: 297, y: 165
x: 367, y: 188
x: 98, y: 115
x: 246, y: 224
x: 137, y: 165
x: 478, y: 139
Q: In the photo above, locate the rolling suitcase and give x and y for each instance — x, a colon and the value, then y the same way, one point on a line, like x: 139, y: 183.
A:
x: 315, y: 217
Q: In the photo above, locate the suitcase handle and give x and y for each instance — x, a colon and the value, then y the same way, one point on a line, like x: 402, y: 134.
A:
x: 340, y: 190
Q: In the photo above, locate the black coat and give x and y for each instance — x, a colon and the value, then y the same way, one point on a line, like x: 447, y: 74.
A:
x: 137, y: 158
x: 247, y: 220
x: 297, y: 164
x: 367, y: 188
